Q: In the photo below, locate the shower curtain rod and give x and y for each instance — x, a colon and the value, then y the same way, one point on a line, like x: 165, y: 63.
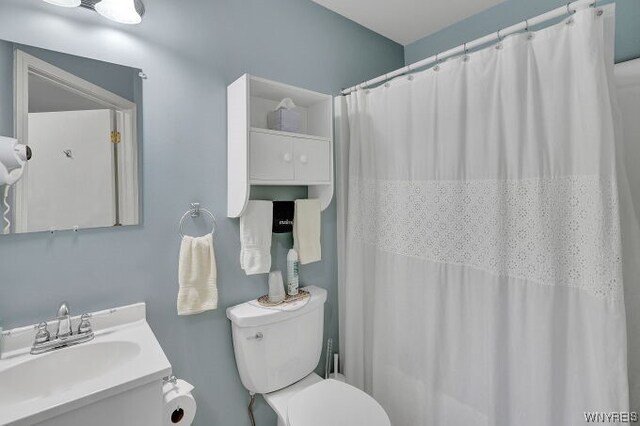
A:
x: 569, y: 9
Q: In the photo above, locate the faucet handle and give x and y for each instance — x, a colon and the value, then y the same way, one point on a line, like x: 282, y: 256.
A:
x: 42, y: 335
x: 85, y: 325
x: 63, y: 310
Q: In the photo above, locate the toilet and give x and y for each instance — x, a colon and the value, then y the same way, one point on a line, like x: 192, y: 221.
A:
x: 277, y: 352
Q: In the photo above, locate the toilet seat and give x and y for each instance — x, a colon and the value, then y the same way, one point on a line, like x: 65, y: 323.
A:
x: 334, y: 403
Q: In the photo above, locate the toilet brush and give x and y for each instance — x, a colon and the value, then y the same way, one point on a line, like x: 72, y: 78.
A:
x: 327, y: 363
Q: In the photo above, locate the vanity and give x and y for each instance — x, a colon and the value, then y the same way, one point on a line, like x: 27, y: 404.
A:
x: 114, y: 378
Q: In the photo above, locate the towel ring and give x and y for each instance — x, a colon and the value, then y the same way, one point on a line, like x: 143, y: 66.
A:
x: 195, y: 212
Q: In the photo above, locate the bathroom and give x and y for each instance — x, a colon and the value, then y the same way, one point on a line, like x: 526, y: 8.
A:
x: 185, y: 56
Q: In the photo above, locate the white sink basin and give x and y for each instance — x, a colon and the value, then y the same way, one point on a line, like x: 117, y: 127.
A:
x: 61, y: 370
x: 123, y: 355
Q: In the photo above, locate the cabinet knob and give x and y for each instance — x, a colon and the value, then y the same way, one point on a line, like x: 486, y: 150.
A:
x: 304, y: 159
x: 287, y: 157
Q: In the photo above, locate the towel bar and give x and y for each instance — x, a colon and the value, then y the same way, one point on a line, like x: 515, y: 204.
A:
x: 194, y: 211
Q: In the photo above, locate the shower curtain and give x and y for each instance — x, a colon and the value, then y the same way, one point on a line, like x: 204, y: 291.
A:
x: 479, y: 208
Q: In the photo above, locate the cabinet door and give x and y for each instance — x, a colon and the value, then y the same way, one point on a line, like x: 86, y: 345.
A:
x: 271, y: 157
x: 312, y: 159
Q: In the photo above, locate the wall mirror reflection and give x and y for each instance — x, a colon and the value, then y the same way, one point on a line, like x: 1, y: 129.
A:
x: 70, y: 132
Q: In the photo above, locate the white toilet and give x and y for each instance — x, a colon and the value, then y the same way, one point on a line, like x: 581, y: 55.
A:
x: 276, y: 353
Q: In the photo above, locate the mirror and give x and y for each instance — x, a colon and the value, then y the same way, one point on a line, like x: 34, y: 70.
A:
x: 70, y: 131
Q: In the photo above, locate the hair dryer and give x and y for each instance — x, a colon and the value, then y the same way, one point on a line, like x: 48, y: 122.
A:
x: 13, y: 157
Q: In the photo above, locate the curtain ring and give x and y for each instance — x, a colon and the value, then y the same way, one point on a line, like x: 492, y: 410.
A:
x: 408, y: 72
x: 570, y: 13
x: 465, y: 57
x: 599, y: 12
x: 499, y: 45
x: 526, y: 30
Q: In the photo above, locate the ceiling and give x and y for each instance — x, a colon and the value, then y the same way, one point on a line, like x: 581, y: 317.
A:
x: 405, y: 21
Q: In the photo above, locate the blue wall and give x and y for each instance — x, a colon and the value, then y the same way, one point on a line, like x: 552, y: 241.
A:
x: 513, y: 11
x: 190, y: 51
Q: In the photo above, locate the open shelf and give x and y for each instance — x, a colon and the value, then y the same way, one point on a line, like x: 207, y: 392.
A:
x: 314, y: 108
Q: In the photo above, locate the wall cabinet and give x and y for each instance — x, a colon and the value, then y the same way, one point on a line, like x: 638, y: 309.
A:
x: 257, y: 155
x: 288, y: 159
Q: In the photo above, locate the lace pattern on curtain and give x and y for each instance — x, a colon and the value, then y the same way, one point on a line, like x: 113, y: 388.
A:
x: 561, y: 231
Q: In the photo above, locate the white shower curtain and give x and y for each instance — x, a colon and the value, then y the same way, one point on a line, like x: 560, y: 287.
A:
x: 481, y: 269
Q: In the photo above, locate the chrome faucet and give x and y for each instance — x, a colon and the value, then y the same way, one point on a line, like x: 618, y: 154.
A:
x: 64, y: 335
x: 64, y: 321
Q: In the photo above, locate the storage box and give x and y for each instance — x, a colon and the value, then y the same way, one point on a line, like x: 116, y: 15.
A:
x: 287, y: 120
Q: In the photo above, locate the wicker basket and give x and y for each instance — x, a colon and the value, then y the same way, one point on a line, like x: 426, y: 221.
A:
x: 302, y: 294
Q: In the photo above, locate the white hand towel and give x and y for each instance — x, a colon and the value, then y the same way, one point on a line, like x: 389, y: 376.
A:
x: 306, y: 230
x: 197, y: 276
x: 255, y: 237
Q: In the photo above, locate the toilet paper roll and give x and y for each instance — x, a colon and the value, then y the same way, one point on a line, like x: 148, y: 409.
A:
x: 179, y: 404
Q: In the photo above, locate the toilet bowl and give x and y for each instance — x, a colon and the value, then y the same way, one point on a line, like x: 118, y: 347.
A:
x: 317, y: 402
x: 276, y: 353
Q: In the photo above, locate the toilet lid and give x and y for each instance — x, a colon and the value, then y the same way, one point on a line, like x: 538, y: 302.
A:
x: 334, y: 403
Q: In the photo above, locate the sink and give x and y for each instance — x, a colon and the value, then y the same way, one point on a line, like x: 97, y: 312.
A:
x: 123, y: 356
x: 61, y: 370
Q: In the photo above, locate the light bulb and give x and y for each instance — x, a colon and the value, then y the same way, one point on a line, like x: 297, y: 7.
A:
x: 122, y: 11
x: 65, y: 3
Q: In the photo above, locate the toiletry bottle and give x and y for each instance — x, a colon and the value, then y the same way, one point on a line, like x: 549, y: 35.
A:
x: 292, y: 272
x: 276, y: 287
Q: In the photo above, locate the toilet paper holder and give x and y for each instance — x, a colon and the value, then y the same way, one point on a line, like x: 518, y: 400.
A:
x: 179, y: 402
x: 170, y: 379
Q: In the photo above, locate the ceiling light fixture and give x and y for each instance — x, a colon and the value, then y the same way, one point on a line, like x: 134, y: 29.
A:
x: 65, y: 3
x: 122, y: 11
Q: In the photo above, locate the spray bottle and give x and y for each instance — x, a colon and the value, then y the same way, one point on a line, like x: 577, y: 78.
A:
x: 293, y: 278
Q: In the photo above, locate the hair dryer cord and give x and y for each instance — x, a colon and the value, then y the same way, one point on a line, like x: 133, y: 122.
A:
x: 7, y: 209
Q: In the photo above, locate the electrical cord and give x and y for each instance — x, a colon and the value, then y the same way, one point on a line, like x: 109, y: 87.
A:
x: 250, y: 408
x: 7, y: 209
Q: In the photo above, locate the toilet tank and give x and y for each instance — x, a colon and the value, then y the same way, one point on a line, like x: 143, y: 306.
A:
x: 276, y: 348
